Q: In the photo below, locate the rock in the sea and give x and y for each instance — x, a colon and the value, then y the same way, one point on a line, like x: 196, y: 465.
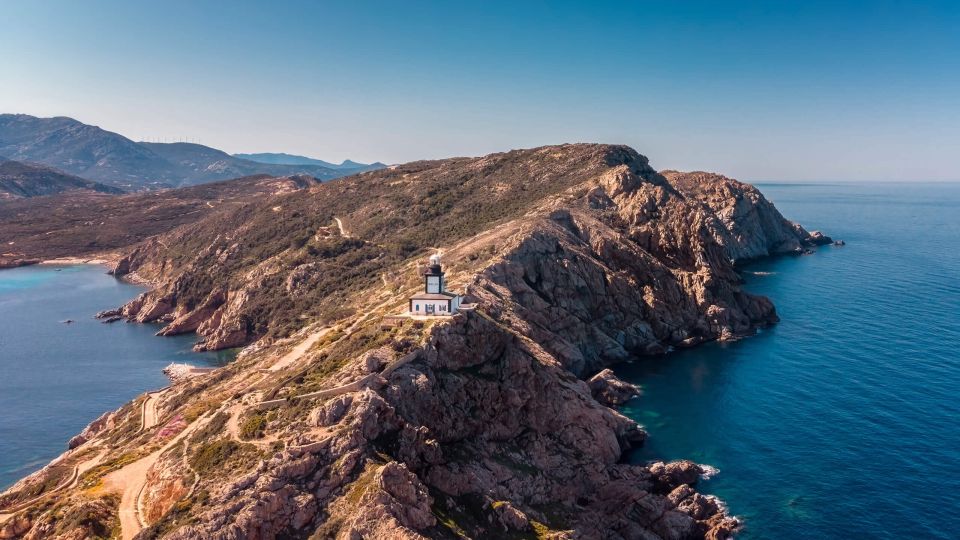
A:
x: 667, y: 476
x: 609, y: 390
x: 109, y: 313
x: 817, y: 238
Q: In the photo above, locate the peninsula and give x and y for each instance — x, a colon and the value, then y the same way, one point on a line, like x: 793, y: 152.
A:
x: 341, y: 419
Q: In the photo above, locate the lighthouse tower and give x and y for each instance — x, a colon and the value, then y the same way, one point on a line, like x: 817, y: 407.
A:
x: 435, y: 298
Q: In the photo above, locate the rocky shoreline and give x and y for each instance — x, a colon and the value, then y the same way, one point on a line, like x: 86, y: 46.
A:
x: 495, y: 422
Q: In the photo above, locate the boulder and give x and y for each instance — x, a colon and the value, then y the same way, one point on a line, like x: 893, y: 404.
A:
x: 609, y: 390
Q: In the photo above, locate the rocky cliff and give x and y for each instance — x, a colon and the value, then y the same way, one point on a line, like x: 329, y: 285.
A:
x: 338, y: 421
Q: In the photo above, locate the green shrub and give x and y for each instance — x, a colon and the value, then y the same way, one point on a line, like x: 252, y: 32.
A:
x: 253, y: 426
x: 212, y: 455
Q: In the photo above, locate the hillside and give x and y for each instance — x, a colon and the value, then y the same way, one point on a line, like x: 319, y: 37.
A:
x: 22, y: 180
x: 88, y: 224
x: 387, y: 212
x: 338, y: 423
x: 96, y: 154
x: 84, y: 150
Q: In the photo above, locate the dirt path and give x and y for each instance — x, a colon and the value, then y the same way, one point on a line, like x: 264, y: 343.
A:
x: 343, y: 232
x: 130, y: 480
x: 299, y: 350
x: 233, y: 428
x: 148, y: 411
x: 71, y: 481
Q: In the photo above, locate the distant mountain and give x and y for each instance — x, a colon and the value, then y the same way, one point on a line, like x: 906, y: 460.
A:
x: 291, y: 159
x: 83, y: 150
x: 203, y: 164
x: 275, y: 158
x: 96, y: 154
x: 21, y: 180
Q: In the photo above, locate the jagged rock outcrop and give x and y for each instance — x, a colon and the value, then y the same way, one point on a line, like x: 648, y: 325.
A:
x: 105, y: 421
x: 610, y: 390
x: 749, y: 225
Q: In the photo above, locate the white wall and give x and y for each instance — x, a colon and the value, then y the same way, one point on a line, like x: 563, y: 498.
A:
x: 437, y: 304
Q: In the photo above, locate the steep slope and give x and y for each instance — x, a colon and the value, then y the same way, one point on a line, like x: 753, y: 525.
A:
x: 749, y: 226
x: 88, y: 224
x: 666, y: 239
x: 475, y: 426
x: 22, y: 180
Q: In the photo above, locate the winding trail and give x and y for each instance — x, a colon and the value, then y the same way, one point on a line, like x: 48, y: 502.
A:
x: 71, y: 481
x: 148, y: 410
x: 299, y: 350
x: 342, y: 389
x: 343, y: 232
x: 130, y: 480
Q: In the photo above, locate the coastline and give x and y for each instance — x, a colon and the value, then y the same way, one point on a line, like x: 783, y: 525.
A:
x: 180, y: 373
x: 107, y: 260
x: 69, y: 261
x: 7, y: 262
x: 534, y: 371
x: 105, y: 349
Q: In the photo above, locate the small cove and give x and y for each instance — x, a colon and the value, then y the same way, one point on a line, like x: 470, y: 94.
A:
x: 55, y: 377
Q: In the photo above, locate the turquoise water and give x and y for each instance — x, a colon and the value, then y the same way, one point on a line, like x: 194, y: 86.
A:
x: 56, y: 377
x: 843, y: 421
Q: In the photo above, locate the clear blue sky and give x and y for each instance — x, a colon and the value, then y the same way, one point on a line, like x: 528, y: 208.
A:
x: 758, y: 90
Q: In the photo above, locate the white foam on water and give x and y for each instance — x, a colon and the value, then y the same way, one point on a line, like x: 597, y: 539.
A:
x: 709, y: 472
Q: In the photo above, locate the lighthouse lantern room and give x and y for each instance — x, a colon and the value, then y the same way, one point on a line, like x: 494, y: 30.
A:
x: 435, y: 298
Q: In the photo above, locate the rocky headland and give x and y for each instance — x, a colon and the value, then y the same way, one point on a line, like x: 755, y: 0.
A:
x: 494, y: 423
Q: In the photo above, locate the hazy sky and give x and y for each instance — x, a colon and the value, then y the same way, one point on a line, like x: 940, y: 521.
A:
x: 759, y: 90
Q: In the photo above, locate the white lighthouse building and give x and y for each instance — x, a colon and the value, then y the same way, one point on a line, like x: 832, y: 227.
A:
x: 435, y: 298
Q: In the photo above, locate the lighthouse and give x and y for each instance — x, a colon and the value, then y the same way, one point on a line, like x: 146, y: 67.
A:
x: 435, y: 298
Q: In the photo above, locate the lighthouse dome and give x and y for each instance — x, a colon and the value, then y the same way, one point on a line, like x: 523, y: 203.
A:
x: 435, y: 259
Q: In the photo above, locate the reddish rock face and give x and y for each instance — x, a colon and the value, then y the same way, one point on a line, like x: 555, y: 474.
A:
x: 610, y: 390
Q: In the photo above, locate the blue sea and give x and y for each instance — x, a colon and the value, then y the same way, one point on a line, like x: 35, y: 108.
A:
x: 842, y: 421
x: 55, y: 377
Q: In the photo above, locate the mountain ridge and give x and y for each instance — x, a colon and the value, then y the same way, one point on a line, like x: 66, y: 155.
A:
x: 281, y: 158
x: 107, y: 157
